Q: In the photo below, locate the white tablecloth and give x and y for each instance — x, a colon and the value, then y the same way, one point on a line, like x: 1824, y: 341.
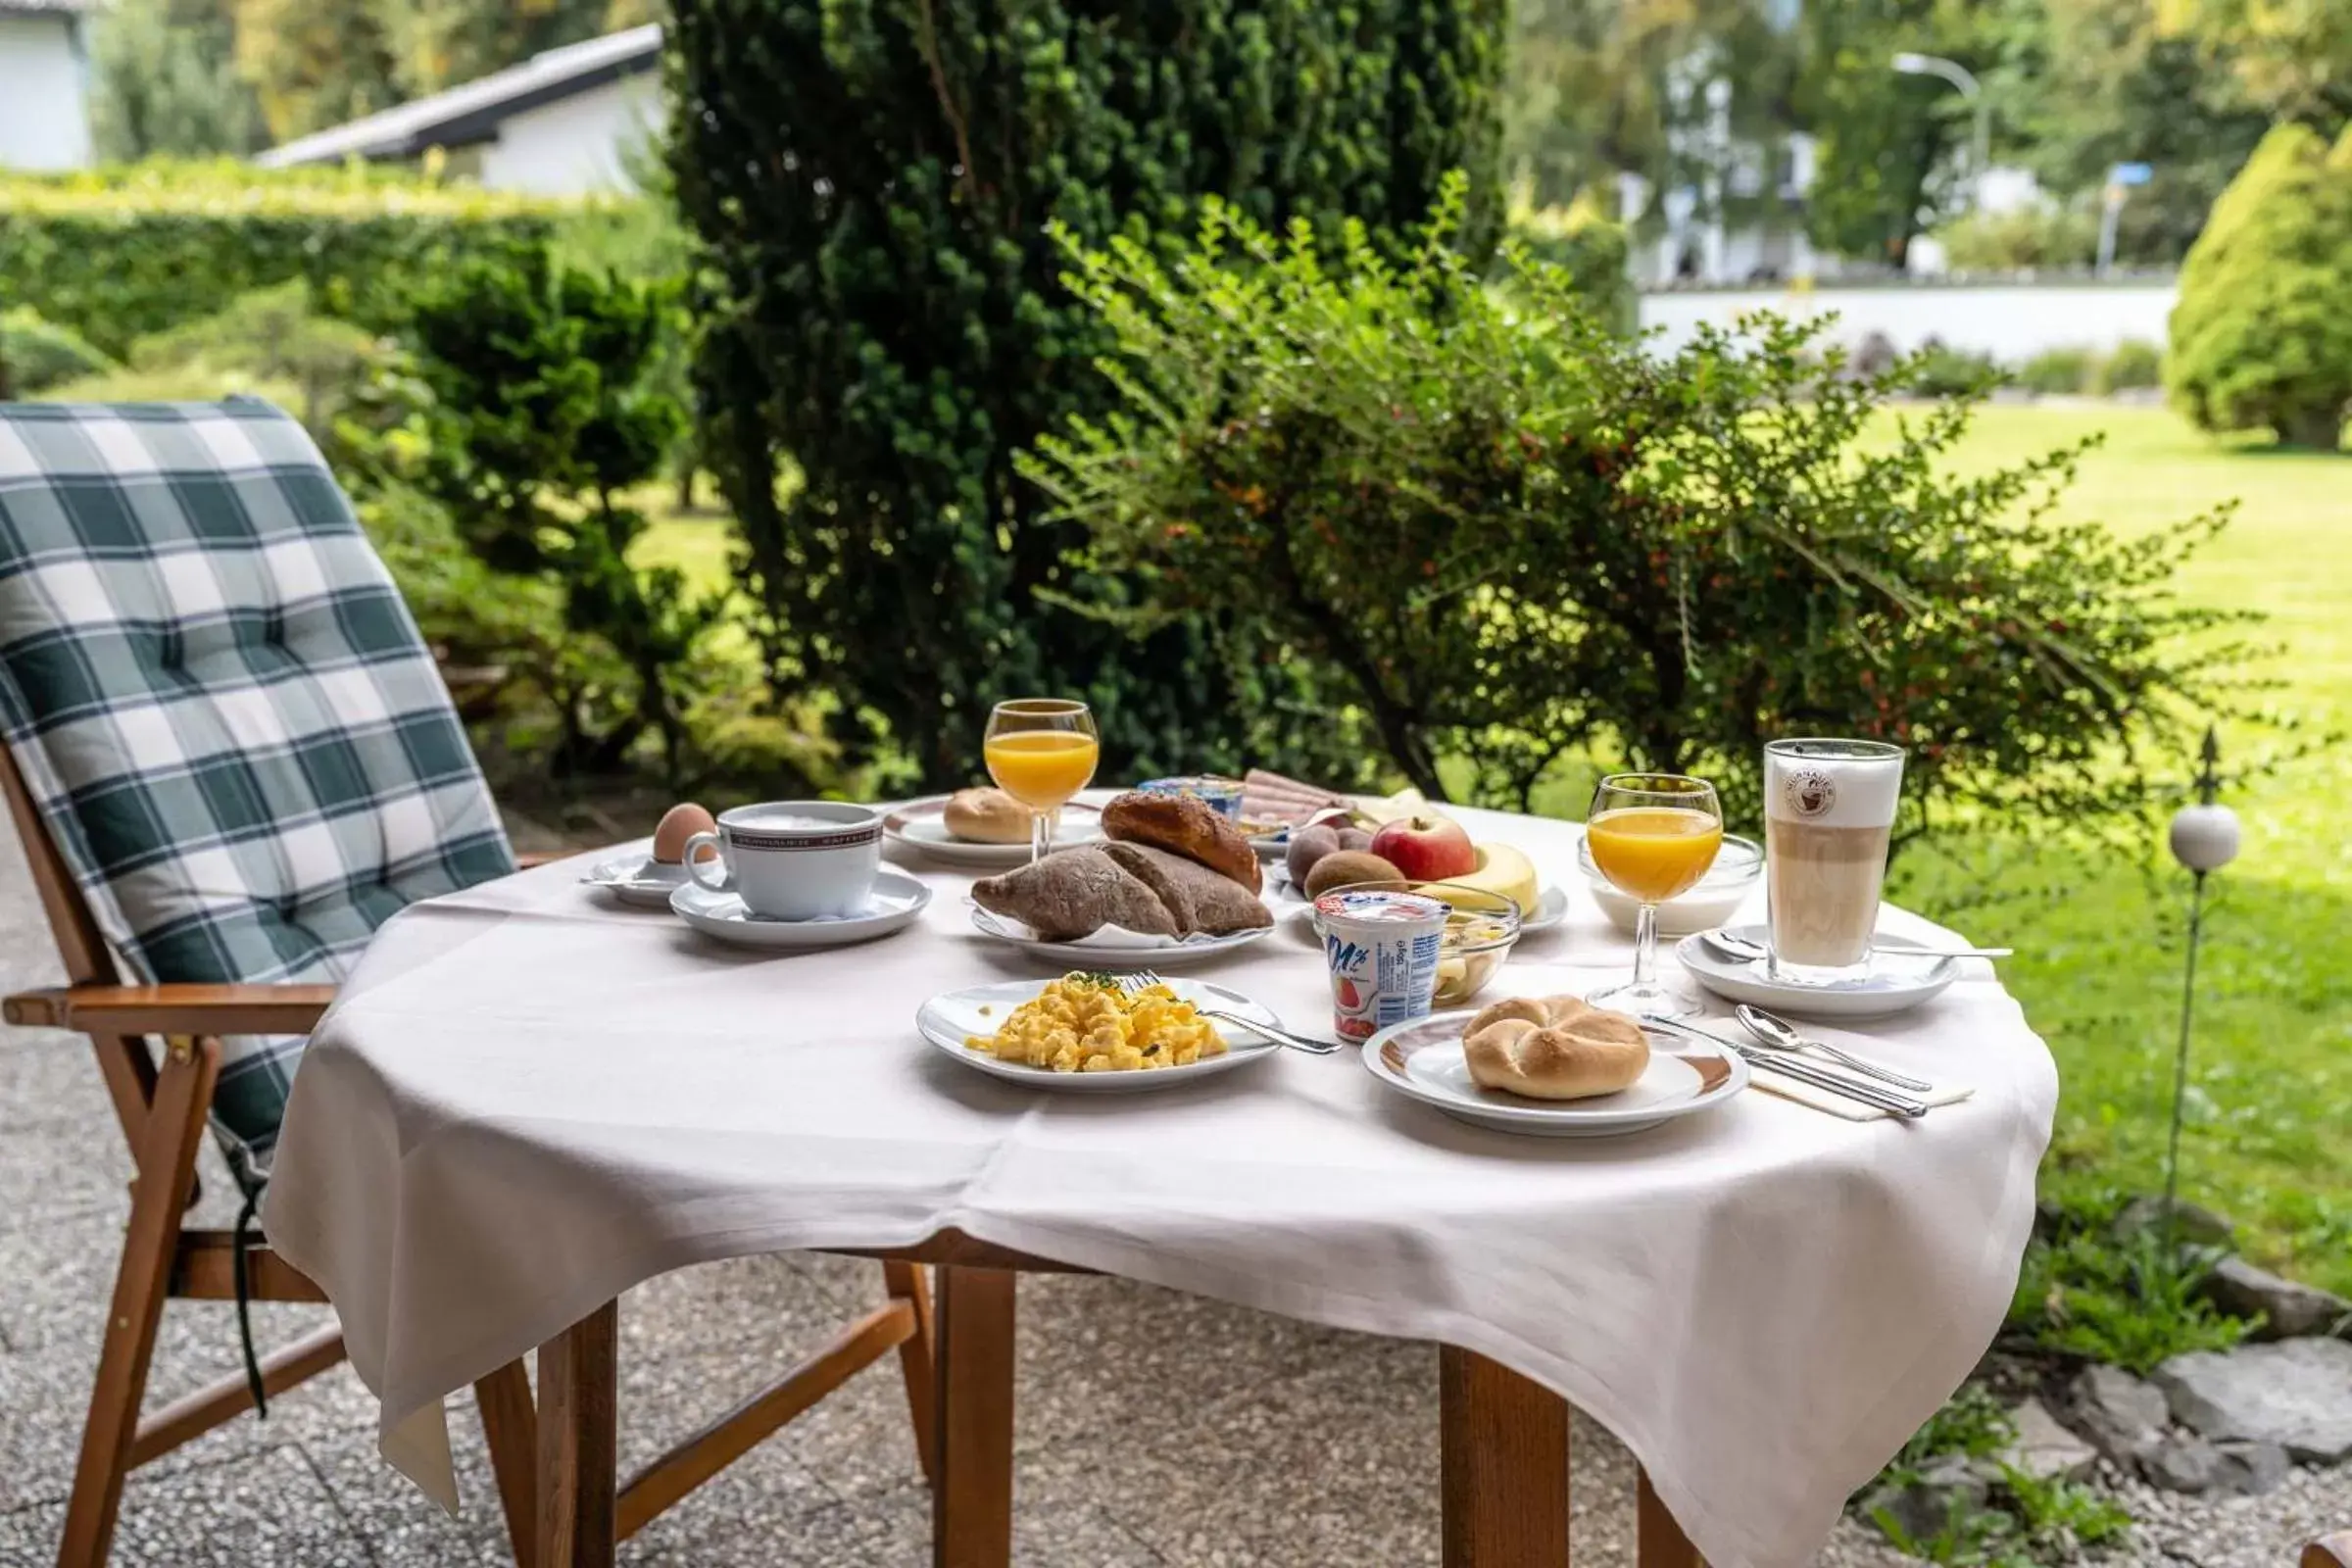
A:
x: 525, y: 1103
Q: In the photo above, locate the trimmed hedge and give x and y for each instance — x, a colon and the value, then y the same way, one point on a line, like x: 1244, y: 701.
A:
x: 116, y: 254
x: 872, y: 186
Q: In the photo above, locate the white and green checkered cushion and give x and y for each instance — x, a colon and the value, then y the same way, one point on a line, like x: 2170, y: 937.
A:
x: 222, y: 708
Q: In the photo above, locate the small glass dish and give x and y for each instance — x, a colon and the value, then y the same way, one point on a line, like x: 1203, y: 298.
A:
x: 1714, y: 901
x: 1222, y: 796
x: 1480, y: 933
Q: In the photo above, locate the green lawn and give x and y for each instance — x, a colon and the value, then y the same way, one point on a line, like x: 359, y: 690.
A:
x: 2099, y: 965
x: 2270, y: 1142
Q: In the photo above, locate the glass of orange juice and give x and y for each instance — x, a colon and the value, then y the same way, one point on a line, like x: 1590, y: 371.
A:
x: 1040, y: 750
x: 1654, y: 835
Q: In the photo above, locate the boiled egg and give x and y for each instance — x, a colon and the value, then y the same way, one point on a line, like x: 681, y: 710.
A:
x: 678, y: 825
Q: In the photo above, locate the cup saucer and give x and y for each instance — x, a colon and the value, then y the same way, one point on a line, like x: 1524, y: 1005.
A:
x: 1893, y: 984
x: 896, y: 901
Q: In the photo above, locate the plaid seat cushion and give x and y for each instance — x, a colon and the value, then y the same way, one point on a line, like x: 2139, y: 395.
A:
x: 221, y: 707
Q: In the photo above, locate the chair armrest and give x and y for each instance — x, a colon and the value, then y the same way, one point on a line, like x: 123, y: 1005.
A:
x: 2329, y: 1551
x: 180, y: 1010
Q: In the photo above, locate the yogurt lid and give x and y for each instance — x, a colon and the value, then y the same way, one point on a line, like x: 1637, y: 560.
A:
x: 1380, y: 904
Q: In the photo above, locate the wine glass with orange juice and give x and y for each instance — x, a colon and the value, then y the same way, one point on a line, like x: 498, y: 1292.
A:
x: 1652, y: 835
x: 1040, y: 750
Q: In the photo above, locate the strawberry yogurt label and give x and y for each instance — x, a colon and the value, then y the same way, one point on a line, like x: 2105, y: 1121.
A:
x: 1382, y: 949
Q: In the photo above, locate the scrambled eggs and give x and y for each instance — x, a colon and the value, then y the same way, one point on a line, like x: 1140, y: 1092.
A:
x: 1084, y: 1023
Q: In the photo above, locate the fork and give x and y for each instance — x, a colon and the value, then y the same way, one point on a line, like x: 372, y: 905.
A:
x: 1146, y: 979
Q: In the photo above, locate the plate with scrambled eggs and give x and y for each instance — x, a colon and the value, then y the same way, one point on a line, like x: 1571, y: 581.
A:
x: 1082, y: 1032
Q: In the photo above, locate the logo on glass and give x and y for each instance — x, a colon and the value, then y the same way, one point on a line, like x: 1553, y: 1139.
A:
x: 1809, y: 791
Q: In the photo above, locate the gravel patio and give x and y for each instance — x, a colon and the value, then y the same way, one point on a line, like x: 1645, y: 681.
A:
x: 1154, y: 1428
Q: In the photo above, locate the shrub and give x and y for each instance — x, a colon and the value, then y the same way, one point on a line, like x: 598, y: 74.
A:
x: 35, y: 354
x: 1515, y: 539
x: 2135, y: 363
x: 539, y: 415
x: 2127, y: 1301
x: 272, y: 335
x: 117, y: 254
x: 1582, y: 240
x: 1939, y: 370
x: 2260, y: 338
x: 882, y: 306
x: 2027, y: 239
x: 2057, y: 371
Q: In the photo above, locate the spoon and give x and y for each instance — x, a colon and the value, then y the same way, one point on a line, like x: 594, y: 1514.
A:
x: 1732, y: 945
x: 1775, y: 1033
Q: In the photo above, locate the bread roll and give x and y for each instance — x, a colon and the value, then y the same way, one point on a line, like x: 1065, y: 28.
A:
x: 986, y: 817
x: 1554, y: 1048
x: 1183, y: 825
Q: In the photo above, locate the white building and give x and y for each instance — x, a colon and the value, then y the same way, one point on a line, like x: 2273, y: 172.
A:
x: 44, y: 84
x: 567, y: 123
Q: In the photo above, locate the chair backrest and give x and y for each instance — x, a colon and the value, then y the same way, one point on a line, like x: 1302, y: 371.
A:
x: 221, y: 710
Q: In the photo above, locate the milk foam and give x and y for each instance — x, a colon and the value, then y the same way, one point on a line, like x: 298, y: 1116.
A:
x: 1862, y: 791
x: 771, y: 819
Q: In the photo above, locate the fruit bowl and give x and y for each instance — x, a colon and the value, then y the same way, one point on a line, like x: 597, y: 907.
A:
x: 1715, y: 899
x: 1479, y: 935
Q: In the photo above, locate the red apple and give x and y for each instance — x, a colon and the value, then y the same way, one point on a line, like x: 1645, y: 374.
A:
x: 1426, y: 849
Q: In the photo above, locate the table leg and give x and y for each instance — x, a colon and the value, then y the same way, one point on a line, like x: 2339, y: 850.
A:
x: 577, y: 1455
x: 1505, y: 1465
x: 971, y: 1502
x: 1658, y: 1541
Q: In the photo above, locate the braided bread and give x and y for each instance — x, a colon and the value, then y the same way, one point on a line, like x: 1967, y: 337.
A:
x: 1554, y: 1048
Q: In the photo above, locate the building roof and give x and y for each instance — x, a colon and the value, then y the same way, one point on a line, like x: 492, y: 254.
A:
x: 463, y: 115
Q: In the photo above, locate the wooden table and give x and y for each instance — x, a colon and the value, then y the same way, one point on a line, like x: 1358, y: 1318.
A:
x: 1504, y: 1439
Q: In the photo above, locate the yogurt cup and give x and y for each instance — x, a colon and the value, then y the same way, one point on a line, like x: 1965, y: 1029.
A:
x: 1382, y: 947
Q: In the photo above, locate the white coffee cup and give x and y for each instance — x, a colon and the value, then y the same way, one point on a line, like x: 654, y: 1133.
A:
x: 793, y: 859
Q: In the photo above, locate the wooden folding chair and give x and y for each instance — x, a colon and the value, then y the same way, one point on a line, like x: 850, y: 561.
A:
x: 243, y: 473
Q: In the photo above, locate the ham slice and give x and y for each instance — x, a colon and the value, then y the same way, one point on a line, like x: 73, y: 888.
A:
x: 1272, y: 798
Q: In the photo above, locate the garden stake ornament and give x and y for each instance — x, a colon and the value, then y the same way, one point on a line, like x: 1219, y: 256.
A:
x: 2203, y: 838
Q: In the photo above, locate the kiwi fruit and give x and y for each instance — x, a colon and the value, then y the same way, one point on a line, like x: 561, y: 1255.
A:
x: 1354, y: 838
x: 1347, y: 868
x: 1307, y: 846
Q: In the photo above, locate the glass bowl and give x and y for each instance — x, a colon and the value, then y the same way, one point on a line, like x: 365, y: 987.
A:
x: 1714, y: 901
x: 1479, y: 935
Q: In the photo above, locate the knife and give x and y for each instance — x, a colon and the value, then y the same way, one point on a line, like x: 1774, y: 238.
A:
x: 1804, y: 1072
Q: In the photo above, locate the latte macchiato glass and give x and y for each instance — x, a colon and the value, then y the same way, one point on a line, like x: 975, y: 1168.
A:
x: 1829, y: 810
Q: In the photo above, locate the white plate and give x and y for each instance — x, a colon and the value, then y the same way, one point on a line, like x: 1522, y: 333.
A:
x: 916, y: 824
x: 1113, y: 947
x: 1423, y: 1057
x: 1552, y: 907
x: 1893, y: 985
x: 897, y: 900
x: 949, y: 1017
x: 632, y: 880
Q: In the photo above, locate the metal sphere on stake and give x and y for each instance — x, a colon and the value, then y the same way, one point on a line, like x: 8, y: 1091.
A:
x: 2203, y: 838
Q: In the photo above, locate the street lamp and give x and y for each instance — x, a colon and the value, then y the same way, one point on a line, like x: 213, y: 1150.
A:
x: 1951, y: 70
